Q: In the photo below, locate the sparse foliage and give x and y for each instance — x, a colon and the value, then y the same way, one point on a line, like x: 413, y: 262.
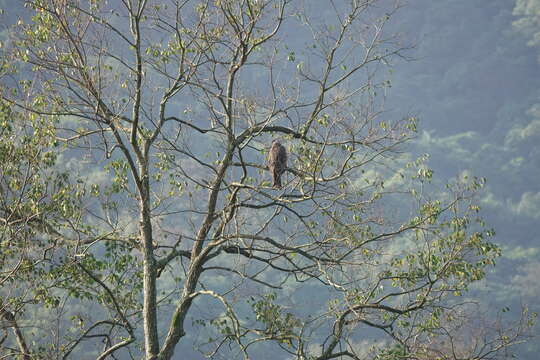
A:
x: 136, y: 203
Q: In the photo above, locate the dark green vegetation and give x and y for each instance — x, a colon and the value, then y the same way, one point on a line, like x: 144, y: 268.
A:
x: 136, y: 212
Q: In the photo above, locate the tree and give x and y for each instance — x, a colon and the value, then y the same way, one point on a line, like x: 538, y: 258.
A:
x: 163, y: 230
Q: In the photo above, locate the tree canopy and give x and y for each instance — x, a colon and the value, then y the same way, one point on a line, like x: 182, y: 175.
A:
x: 137, y: 213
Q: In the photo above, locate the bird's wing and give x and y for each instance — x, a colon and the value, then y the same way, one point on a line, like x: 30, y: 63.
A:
x: 283, y: 156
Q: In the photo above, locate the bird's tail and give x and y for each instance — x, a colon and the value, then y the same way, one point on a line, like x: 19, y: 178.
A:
x: 276, y: 177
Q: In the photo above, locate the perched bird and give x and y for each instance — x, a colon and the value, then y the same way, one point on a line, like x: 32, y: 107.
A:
x: 277, y: 162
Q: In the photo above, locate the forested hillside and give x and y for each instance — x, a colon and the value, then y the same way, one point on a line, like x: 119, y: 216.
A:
x: 140, y: 216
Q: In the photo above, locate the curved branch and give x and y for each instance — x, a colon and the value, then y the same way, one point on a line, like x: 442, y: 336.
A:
x: 21, y: 342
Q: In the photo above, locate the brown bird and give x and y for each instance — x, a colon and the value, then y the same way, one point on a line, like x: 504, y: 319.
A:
x: 277, y: 162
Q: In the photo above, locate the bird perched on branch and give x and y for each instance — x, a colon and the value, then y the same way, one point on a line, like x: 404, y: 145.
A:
x: 277, y: 162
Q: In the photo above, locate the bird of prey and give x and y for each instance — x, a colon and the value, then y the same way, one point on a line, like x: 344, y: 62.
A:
x: 277, y: 162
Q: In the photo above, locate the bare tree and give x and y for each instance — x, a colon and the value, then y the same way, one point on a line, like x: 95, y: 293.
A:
x: 164, y: 111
